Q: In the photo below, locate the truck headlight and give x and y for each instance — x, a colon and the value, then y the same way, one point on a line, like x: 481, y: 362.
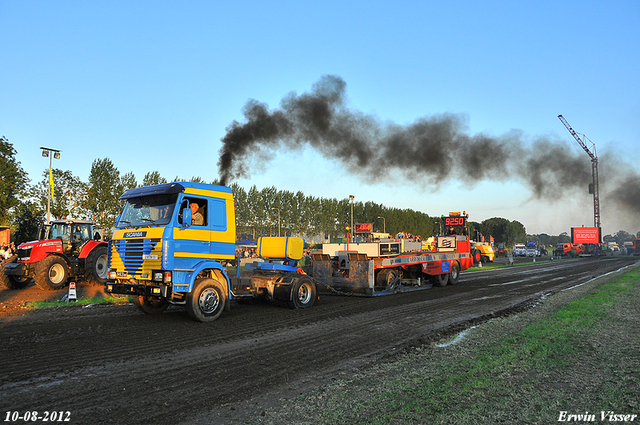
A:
x: 162, y: 276
x: 112, y: 274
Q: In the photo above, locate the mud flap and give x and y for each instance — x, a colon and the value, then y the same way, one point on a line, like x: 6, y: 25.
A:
x: 282, y: 292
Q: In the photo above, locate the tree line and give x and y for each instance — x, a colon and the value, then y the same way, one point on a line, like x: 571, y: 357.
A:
x: 259, y: 212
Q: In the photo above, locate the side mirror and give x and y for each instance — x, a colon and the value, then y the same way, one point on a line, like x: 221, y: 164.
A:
x: 186, y: 218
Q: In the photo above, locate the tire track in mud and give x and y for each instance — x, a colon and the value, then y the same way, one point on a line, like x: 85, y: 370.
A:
x: 159, y: 340
x: 167, y: 369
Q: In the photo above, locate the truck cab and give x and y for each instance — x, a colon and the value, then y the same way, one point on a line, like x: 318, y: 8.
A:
x: 519, y: 250
x: 532, y: 249
x: 161, y: 254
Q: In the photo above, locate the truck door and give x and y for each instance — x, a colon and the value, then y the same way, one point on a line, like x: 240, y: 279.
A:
x: 218, y: 220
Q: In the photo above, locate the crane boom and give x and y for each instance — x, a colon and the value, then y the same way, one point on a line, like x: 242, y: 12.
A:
x: 594, y: 168
x: 576, y: 136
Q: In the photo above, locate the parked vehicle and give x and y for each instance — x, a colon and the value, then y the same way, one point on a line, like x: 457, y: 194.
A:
x: 532, y: 249
x: 519, y: 250
x: 68, y: 250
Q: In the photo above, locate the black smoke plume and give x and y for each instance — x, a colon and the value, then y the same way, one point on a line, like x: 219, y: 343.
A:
x: 429, y: 151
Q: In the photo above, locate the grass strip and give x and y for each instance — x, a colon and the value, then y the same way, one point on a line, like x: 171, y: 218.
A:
x: 80, y: 301
x: 578, y: 356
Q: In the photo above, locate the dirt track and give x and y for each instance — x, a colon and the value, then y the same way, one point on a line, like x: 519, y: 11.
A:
x: 113, y: 364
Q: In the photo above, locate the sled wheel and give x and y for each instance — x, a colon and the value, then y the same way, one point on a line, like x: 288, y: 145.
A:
x: 454, y: 276
x: 385, y: 277
x: 440, y: 280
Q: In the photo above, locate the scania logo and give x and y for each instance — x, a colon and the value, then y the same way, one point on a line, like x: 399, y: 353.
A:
x: 135, y: 234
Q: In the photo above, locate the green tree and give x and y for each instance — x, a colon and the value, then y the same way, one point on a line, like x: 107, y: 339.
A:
x: 105, y: 187
x: 69, y: 194
x: 516, y: 232
x: 27, y: 218
x: 496, y: 227
x: 128, y: 181
x: 153, y: 178
x: 13, y: 179
x: 243, y: 228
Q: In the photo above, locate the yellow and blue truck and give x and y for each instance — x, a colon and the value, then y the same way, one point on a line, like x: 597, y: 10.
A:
x: 172, y: 242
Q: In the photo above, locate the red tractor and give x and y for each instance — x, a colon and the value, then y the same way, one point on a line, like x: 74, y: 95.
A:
x: 67, y: 249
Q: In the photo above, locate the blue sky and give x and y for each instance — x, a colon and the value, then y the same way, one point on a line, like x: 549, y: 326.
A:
x: 153, y: 86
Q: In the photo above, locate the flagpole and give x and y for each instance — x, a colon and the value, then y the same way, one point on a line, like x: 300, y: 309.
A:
x: 50, y: 153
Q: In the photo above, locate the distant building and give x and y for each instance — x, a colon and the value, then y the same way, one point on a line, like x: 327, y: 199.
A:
x: 5, y: 235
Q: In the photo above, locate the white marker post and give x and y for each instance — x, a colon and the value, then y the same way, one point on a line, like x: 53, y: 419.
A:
x: 72, y: 292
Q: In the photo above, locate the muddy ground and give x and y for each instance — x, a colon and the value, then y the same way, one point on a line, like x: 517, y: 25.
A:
x: 111, y: 364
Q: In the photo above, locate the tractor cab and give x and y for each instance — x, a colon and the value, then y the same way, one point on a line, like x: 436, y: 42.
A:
x: 73, y: 234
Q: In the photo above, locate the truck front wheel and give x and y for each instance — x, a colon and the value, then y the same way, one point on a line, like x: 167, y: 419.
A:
x: 303, y: 293
x: 11, y: 281
x: 206, y: 301
x: 52, y: 273
x: 150, y: 305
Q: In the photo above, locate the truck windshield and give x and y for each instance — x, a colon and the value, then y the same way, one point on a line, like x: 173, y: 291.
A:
x: 148, y: 211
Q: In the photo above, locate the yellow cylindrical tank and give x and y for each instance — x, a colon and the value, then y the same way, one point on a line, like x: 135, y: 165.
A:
x: 287, y: 247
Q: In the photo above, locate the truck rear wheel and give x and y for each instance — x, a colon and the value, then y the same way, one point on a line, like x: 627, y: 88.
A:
x: 303, y: 293
x: 96, y: 266
x: 206, y: 301
x: 150, y: 305
x: 440, y: 280
x: 52, y: 273
x: 10, y: 281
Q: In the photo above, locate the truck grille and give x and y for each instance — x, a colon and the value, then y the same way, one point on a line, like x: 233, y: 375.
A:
x: 136, y: 257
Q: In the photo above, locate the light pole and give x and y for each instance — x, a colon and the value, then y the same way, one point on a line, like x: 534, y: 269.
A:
x: 51, y: 153
x: 384, y: 224
x: 278, y: 220
x: 351, y: 198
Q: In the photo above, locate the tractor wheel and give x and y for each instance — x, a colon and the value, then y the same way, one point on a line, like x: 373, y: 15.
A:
x: 440, y: 280
x: 303, y: 293
x: 96, y: 266
x: 206, y: 301
x: 10, y: 281
x: 454, y: 276
x: 52, y: 273
x: 150, y: 305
